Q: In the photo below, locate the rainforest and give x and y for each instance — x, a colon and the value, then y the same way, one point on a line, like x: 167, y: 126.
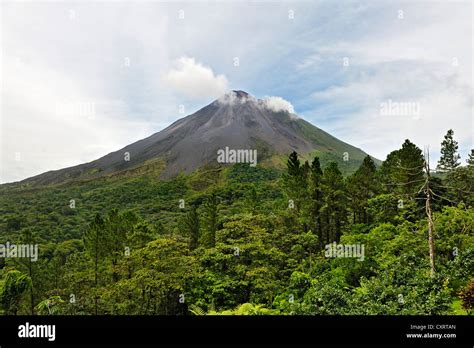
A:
x: 244, y: 240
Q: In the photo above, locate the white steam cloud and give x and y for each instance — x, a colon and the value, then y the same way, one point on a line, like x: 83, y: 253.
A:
x: 195, y: 80
x: 278, y: 104
x: 233, y: 98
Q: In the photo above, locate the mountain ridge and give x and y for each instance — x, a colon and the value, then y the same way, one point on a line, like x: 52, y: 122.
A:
x: 236, y: 120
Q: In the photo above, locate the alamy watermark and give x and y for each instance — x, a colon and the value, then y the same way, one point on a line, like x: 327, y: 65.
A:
x: 237, y: 156
x: 400, y: 108
x: 29, y: 251
x: 345, y: 250
x: 81, y: 109
x: 37, y: 331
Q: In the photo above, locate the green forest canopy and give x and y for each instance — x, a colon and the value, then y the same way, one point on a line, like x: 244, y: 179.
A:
x: 247, y: 240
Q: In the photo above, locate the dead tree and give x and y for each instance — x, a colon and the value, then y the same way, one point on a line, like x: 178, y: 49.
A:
x: 429, y: 213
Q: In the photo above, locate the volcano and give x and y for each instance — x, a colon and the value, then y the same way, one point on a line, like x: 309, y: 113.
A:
x: 237, y: 120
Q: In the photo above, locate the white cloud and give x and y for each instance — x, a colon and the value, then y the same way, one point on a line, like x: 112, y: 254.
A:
x: 407, y: 61
x: 278, y: 104
x: 56, y: 123
x: 444, y: 103
x: 195, y: 80
x: 402, y: 60
x: 272, y: 103
x: 62, y: 105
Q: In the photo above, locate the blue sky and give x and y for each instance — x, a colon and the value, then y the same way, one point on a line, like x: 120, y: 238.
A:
x: 137, y: 63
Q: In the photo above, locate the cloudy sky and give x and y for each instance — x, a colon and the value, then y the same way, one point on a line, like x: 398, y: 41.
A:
x: 80, y: 80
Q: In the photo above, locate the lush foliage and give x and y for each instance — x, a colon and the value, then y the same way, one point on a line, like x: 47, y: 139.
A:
x: 241, y: 240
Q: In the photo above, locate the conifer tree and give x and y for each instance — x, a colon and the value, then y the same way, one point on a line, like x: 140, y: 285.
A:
x: 362, y: 186
x: 191, y: 226
x: 114, y: 237
x: 295, y: 180
x: 293, y: 164
x: 449, y: 153
x: 210, y: 216
x: 402, y: 171
x: 316, y: 195
x: 334, y: 202
x: 470, y: 158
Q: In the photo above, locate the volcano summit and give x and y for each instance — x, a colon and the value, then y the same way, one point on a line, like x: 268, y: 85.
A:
x: 236, y: 120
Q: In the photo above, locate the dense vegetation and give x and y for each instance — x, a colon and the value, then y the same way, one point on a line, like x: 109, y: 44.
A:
x: 245, y: 240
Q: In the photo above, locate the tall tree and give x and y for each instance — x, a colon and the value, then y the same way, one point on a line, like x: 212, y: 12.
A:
x: 449, y: 153
x: 316, y: 196
x: 115, y: 235
x: 295, y: 180
x: 470, y: 158
x: 460, y: 185
x: 362, y: 186
x: 191, y: 227
x: 210, y: 219
x: 293, y: 165
x: 402, y: 171
x: 429, y: 213
x: 334, y: 202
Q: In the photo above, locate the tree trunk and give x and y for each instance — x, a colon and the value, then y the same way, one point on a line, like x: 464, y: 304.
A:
x: 430, y: 231
x: 429, y: 213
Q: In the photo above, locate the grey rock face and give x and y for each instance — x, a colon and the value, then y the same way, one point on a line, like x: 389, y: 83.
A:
x: 236, y: 120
